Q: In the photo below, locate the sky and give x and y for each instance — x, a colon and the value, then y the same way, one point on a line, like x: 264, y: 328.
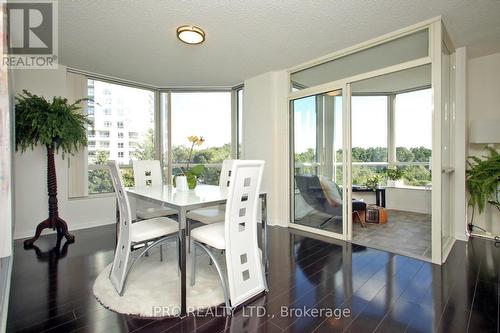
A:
x: 201, y: 114
x: 413, y: 121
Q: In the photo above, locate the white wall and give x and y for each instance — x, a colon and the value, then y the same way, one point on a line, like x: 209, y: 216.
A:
x: 408, y: 199
x: 265, y: 137
x: 30, y: 182
x: 483, y: 87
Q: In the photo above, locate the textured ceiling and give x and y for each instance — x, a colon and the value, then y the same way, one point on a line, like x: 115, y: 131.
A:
x: 136, y: 40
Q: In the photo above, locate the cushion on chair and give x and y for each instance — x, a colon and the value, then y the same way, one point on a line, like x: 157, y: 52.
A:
x: 213, y: 235
x: 153, y: 228
x: 207, y: 215
x: 151, y: 212
x: 331, y: 190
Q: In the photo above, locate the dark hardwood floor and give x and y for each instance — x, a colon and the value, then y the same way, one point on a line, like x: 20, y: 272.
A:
x: 384, y: 292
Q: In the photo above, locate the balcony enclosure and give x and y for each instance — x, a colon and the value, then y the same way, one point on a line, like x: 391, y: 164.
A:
x: 364, y: 111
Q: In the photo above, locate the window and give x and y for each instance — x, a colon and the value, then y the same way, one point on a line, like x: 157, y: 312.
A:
x: 206, y: 114
x: 139, y: 105
x: 413, y: 135
x: 104, y: 134
x: 121, y: 112
x: 90, y: 110
x: 91, y: 144
x: 90, y: 133
x: 369, y: 137
x: 104, y: 144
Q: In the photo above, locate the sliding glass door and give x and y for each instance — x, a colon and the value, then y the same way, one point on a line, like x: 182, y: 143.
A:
x: 318, y: 170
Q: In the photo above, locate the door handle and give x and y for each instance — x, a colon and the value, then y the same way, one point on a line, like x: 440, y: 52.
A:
x: 447, y: 170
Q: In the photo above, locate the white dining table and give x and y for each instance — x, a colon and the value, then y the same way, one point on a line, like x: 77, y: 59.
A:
x: 183, y: 202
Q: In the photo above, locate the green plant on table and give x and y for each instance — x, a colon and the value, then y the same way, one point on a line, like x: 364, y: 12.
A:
x: 193, y: 173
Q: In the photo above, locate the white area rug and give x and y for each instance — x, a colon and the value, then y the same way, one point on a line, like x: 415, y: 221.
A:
x: 153, y: 285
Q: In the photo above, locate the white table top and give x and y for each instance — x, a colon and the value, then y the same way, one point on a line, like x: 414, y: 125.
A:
x: 167, y: 194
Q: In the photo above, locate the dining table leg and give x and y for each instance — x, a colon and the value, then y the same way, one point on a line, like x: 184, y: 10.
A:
x: 182, y: 240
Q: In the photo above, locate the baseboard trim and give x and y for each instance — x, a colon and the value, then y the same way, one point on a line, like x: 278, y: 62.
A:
x: 462, y: 237
x: 26, y: 234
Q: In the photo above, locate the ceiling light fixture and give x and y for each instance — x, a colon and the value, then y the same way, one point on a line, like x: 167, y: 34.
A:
x: 190, y: 34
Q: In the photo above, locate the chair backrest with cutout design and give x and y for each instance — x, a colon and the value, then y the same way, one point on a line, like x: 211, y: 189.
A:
x: 147, y: 173
x: 122, y: 252
x: 244, y: 263
x: 225, y: 174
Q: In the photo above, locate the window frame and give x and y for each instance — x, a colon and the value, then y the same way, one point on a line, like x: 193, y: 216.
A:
x: 159, y: 120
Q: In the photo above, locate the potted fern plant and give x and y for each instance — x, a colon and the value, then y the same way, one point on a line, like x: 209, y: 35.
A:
x: 58, y: 126
x: 483, y: 181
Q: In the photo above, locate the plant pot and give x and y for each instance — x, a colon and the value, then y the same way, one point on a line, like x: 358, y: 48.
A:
x: 395, y: 183
x: 181, y: 183
x: 191, y: 181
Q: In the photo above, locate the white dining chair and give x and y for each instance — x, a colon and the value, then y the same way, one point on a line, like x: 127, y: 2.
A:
x: 236, y: 236
x: 214, y: 214
x: 148, y: 173
x: 135, y: 236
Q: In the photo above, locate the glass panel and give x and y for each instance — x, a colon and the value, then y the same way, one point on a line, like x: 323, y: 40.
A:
x: 317, y: 161
x: 413, y: 135
x: 369, y: 138
x: 123, y: 129
x: 403, y: 49
x: 391, y: 150
x: 206, y: 114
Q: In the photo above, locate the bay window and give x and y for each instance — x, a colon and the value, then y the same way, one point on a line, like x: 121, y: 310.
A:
x: 134, y: 123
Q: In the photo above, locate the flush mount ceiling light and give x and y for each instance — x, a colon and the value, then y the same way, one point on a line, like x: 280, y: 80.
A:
x: 190, y: 34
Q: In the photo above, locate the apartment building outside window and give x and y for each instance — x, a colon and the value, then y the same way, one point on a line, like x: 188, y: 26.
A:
x: 119, y: 109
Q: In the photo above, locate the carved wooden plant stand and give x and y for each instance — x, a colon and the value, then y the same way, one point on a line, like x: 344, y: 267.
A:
x: 53, y: 221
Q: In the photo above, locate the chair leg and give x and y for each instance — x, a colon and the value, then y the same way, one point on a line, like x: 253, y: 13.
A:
x: 223, y: 282
x: 188, y: 234
x: 193, y: 263
x: 177, y: 253
x: 161, y: 252
x: 143, y: 253
x: 356, y: 213
x: 326, y: 221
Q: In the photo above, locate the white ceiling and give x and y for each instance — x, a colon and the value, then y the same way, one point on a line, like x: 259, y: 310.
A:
x: 135, y: 40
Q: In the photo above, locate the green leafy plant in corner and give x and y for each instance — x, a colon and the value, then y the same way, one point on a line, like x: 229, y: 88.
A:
x: 483, y: 178
x: 59, y: 126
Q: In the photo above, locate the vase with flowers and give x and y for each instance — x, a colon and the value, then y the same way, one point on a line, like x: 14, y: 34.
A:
x: 192, y: 173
